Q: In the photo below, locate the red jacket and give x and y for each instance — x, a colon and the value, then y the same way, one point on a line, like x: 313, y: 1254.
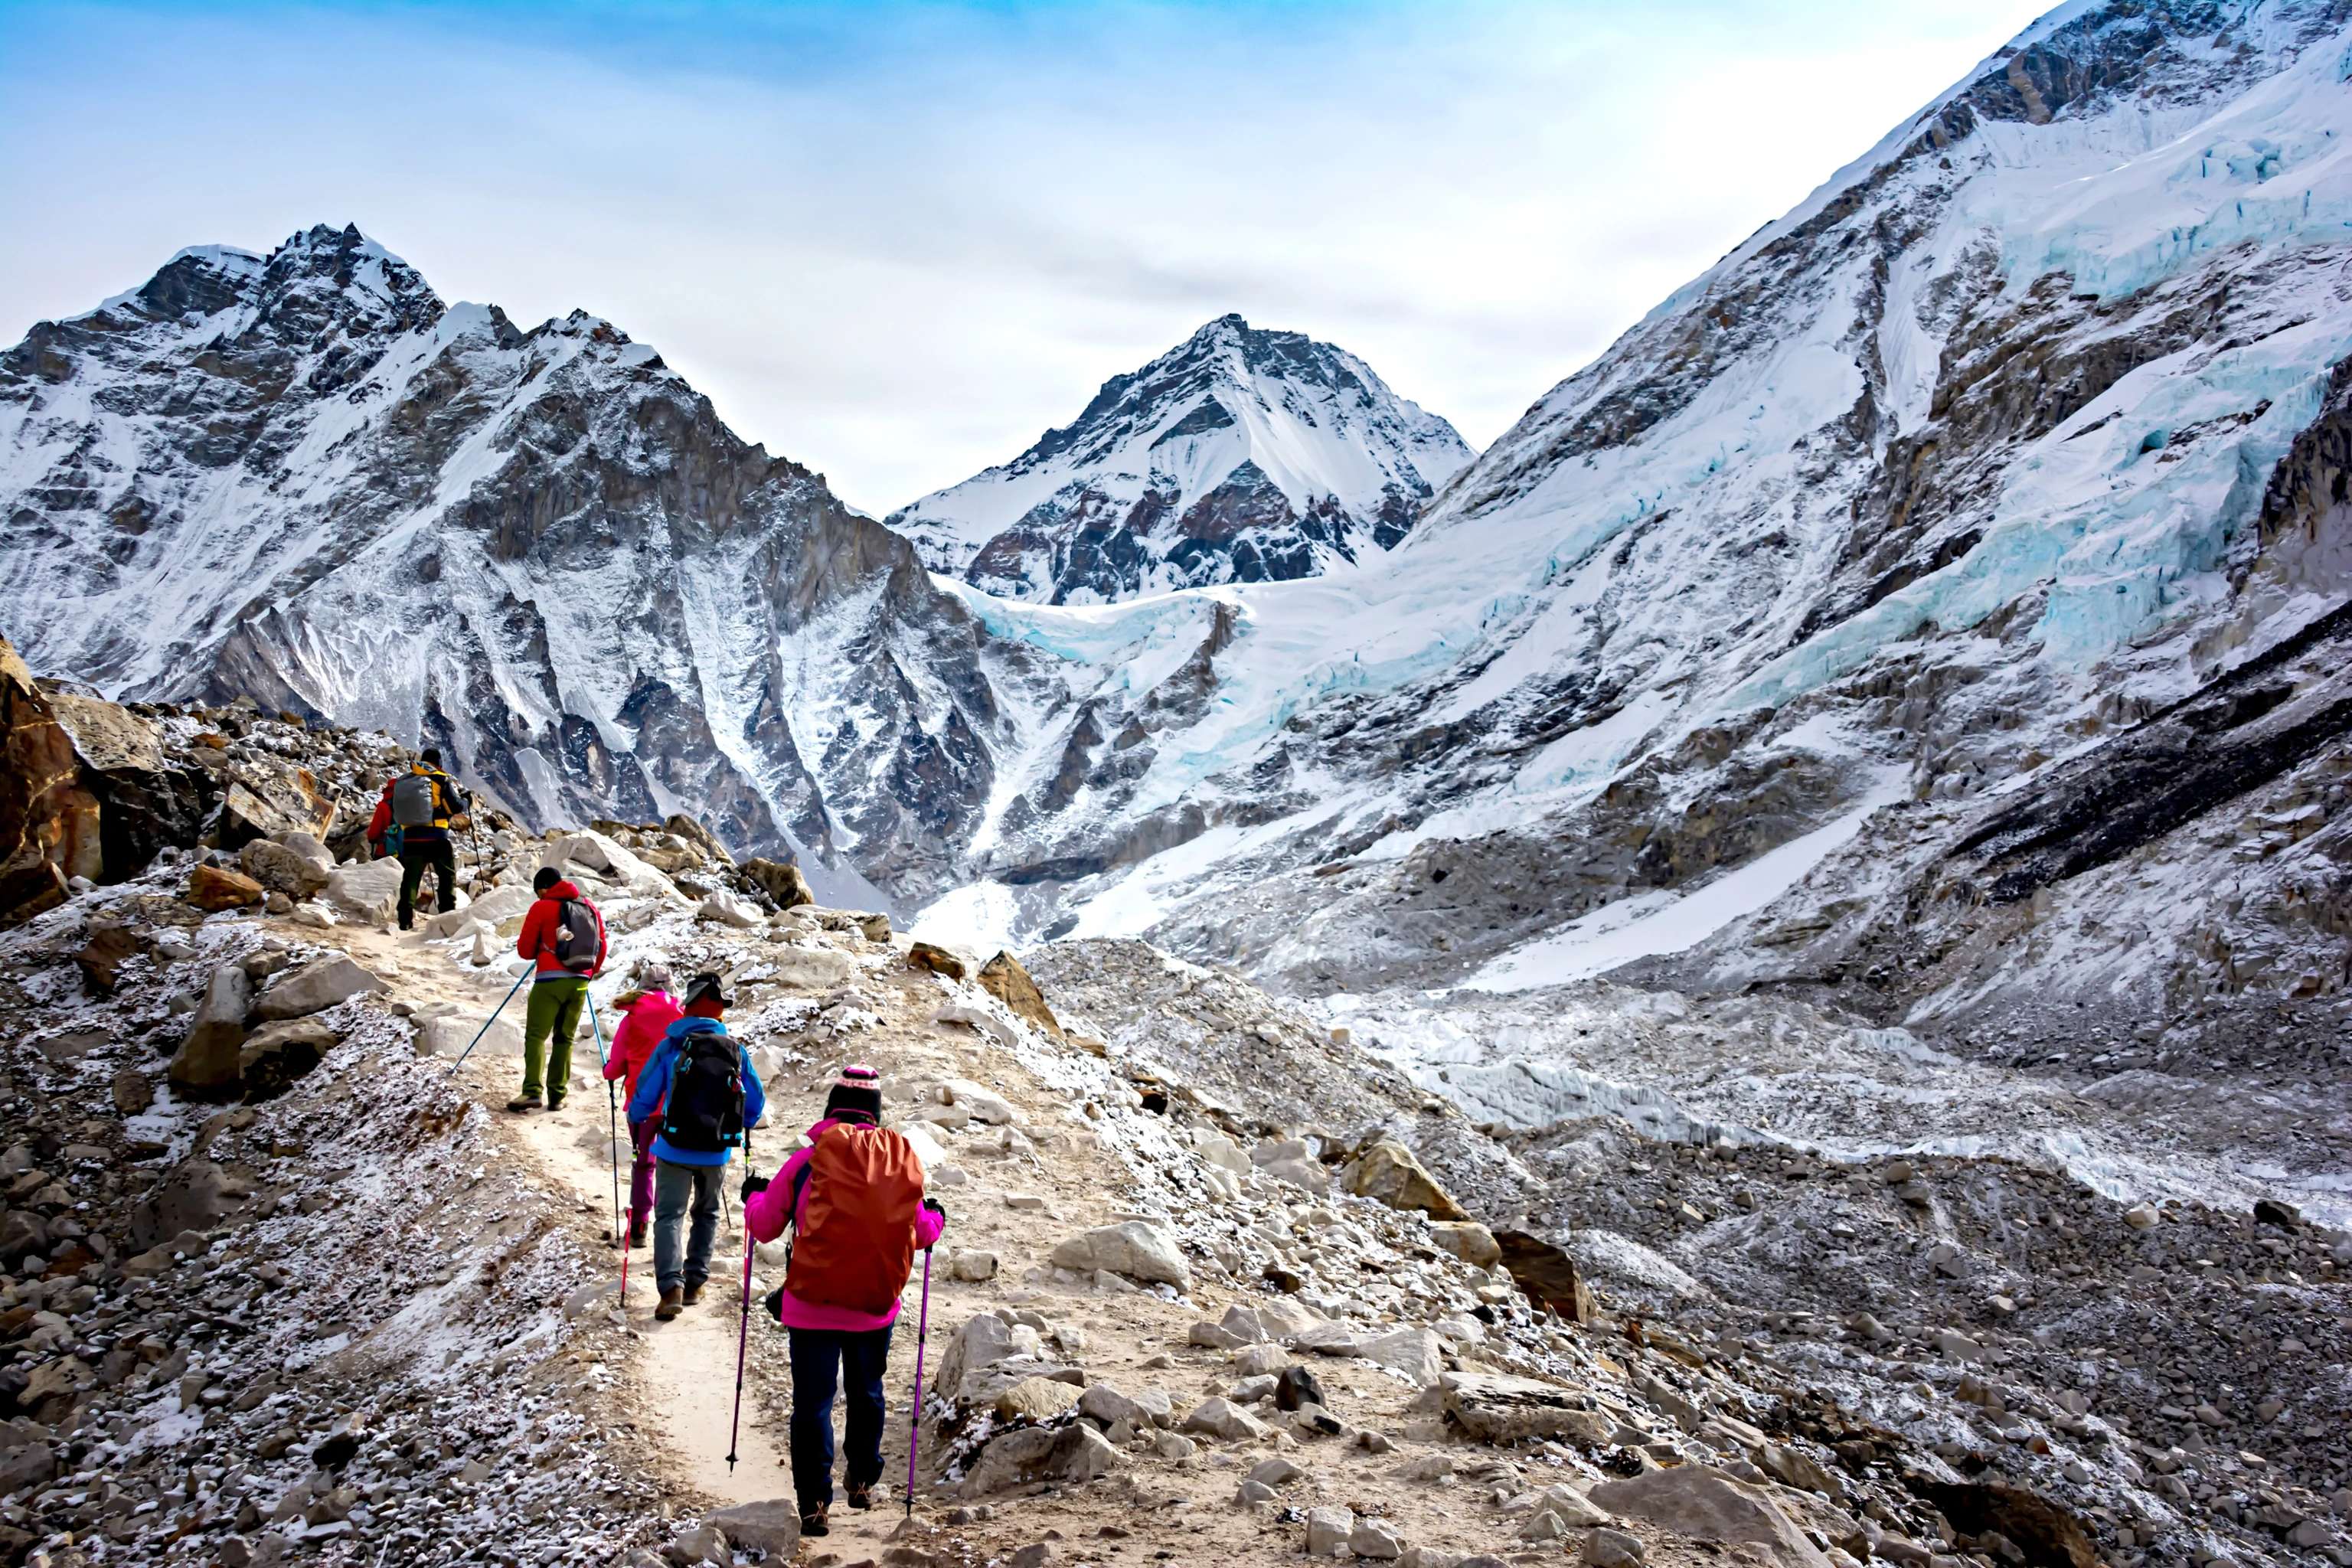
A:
x: 538, y: 928
x: 380, y: 822
x: 641, y: 1023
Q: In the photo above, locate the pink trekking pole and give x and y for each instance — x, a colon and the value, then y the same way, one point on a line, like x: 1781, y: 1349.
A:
x: 915, y: 1426
x: 742, y: 1338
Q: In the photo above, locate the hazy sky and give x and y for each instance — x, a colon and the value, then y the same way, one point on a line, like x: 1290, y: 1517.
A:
x: 896, y: 242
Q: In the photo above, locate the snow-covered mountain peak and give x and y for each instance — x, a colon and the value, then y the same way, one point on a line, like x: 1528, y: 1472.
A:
x: 1241, y: 454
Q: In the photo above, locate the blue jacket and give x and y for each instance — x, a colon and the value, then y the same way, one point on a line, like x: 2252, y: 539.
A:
x: 653, y: 1089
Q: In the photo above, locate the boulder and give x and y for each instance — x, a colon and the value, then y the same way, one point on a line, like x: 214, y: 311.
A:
x: 1547, y: 1275
x: 1036, y: 1399
x: 448, y: 1034
x: 1223, y: 1419
x: 1106, y: 1405
x: 702, y: 838
x: 937, y: 960
x: 1467, y: 1240
x: 781, y: 881
x: 1329, y: 1531
x: 1496, y: 1407
x: 1003, y: 978
x: 48, y: 817
x: 984, y: 1104
x: 1612, y: 1549
x: 971, y: 1266
x: 1139, y: 1249
x: 144, y: 804
x: 812, y: 968
x: 1413, y: 1354
x: 983, y: 1344
x: 215, y: 887
x: 493, y: 910
x: 269, y: 797
x: 206, y: 1066
x: 1376, y: 1541
x: 605, y: 860
x: 194, y: 1196
x: 728, y: 909
x: 1387, y: 1172
x: 1028, y: 1455
x: 773, y: 1526
x: 101, y: 957
x: 1703, y: 1502
x: 284, y: 870
x: 274, y: 1055
x: 367, y: 890
x: 315, y: 988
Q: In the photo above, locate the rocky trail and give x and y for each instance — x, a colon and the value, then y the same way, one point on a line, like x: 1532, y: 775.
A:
x: 1219, y: 1283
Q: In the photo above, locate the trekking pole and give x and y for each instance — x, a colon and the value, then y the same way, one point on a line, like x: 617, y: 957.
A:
x: 743, y: 1324
x: 915, y: 1425
x: 611, y: 1122
x: 486, y: 1023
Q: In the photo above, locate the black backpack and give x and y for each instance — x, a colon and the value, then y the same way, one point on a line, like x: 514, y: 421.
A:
x: 706, y: 1095
x: 576, y: 933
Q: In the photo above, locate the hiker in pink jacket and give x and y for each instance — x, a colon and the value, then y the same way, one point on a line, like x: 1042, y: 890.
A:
x: 832, y: 1343
x: 646, y: 1012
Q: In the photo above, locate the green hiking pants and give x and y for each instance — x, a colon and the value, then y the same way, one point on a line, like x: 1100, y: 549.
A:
x: 554, y: 1011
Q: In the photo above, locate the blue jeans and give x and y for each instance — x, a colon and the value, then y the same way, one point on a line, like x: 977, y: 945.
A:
x: 820, y: 1358
x: 676, y: 1187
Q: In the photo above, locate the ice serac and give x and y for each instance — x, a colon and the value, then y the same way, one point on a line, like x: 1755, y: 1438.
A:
x: 1240, y: 456
x: 304, y: 478
x: 2022, y: 430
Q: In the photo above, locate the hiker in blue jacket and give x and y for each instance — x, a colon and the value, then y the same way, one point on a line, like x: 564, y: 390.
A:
x: 700, y: 1080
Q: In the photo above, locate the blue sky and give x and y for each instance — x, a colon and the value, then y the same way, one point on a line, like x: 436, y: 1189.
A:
x: 896, y: 242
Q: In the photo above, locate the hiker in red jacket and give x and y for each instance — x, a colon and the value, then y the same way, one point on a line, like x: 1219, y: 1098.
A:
x: 645, y: 1013
x: 564, y: 933
x: 855, y: 1200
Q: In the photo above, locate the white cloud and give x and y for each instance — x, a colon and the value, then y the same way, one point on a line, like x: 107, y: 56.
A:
x: 897, y: 249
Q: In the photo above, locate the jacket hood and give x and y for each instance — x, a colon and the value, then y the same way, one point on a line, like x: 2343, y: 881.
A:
x: 692, y: 1025
x: 562, y: 890
x: 656, y: 999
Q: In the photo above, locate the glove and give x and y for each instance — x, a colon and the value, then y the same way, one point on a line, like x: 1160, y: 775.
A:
x: 933, y: 1204
x: 753, y: 1184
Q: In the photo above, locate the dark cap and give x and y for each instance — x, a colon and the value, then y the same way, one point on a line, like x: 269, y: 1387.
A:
x: 703, y: 989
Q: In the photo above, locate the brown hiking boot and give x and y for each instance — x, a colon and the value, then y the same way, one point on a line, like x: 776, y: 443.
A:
x: 672, y: 1304
x: 523, y: 1104
x: 693, y: 1293
x: 861, y: 1497
x: 813, y: 1521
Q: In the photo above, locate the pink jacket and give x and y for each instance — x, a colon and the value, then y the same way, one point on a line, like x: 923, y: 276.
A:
x: 765, y: 1213
x: 641, y: 1023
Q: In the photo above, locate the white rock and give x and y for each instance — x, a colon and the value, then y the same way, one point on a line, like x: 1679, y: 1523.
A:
x: 725, y: 907
x: 367, y: 890
x: 1137, y: 1248
x: 1223, y: 1419
x: 492, y: 908
x: 987, y: 1020
x: 982, y: 1103
x: 1328, y: 1531
x: 1372, y: 1539
x: 315, y: 988
x: 1415, y: 1352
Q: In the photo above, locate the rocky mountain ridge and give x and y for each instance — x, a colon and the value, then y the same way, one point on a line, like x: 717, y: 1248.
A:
x: 1240, y: 456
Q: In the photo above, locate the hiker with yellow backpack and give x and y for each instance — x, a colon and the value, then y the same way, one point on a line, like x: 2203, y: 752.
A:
x: 412, y: 822
x: 853, y: 1199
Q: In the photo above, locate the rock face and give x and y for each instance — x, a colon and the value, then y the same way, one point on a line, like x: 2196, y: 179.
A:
x: 49, y: 822
x: 1242, y: 455
x: 592, y: 517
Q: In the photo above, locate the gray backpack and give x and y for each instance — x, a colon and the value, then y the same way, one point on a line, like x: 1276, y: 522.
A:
x: 576, y: 931
x: 413, y: 804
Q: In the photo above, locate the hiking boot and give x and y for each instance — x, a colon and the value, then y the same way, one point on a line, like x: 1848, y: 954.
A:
x: 672, y: 1304
x: 522, y: 1103
x: 813, y: 1521
x: 637, y: 1236
x: 861, y: 1497
x: 693, y: 1293
x: 554, y: 1104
